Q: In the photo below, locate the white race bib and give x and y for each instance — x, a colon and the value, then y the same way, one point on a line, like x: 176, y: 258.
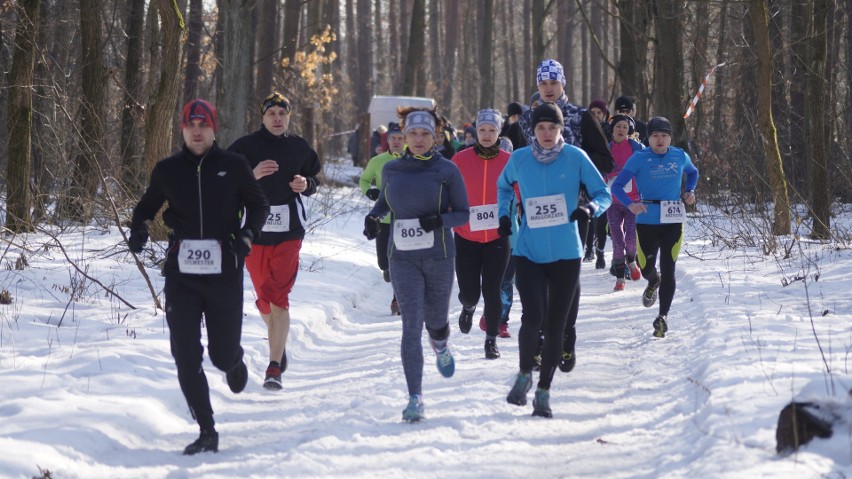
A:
x: 672, y: 212
x: 483, y: 217
x: 278, y: 220
x: 408, y: 235
x: 200, y: 257
x: 543, y: 211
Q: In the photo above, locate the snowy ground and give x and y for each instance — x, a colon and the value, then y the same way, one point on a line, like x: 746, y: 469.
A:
x: 89, y: 388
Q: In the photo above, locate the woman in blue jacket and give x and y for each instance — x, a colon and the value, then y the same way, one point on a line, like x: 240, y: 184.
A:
x: 548, y: 249
x: 426, y: 197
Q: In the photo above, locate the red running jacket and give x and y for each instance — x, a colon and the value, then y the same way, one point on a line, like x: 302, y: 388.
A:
x: 480, y: 179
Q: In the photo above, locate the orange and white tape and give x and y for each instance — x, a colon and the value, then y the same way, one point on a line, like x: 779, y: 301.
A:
x: 694, y: 101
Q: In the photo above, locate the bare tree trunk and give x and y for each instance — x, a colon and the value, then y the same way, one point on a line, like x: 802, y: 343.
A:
x: 817, y: 131
x: 381, y: 60
x: 364, y: 87
x: 20, y: 119
x: 774, y: 167
x: 567, y: 46
x: 84, y: 180
x: 160, y: 110
x: 518, y: 94
x: 451, y: 27
x: 538, y: 32
x: 416, y: 49
x: 195, y: 28
x: 669, y: 99
x: 780, y: 56
x: 236, y: 69
x: 396, y: 47
x: 799, y: 45
x: 267, y: 47
x: 435, y: 41
x: 595, y: 62
x: 486, y: 52
x: 352, y: 52
x: 131, y: 112
x: 290, y: 42
x: 719, y: 81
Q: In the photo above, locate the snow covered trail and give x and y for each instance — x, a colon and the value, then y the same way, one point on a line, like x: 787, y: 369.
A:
x: 98, y: 396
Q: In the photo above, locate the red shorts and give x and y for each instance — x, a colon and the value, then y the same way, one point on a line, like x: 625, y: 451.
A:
x: 273, y: 273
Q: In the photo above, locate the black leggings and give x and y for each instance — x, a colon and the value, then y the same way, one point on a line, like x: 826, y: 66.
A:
x: 595, y: 235
x: 219, y: 299
x: 665, y: 239
x: 550, y: 300
x: 382, y: 246
x: 479, y: 269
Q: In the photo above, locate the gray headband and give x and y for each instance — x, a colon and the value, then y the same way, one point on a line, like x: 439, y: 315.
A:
x: 419, y: 119
x: 490, y: 116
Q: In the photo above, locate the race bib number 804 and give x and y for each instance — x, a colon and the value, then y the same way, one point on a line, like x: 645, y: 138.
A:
x: 483, y: 217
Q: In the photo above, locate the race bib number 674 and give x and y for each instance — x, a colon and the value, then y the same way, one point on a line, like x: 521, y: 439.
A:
x: 672, y: 212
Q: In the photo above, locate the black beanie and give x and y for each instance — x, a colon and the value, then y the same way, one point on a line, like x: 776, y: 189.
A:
x: 631, y: 123
x: 515, y: 108
x: 661, y: 124
x: 547, y: 111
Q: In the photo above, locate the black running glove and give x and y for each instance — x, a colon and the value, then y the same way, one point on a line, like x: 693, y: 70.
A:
x: 431, y: 222
x: 136, y: 241
x: 373, y: 194
x: 371, y: 227
x: 242, y: 244
x: 505, y: 228
x: 583, y: 212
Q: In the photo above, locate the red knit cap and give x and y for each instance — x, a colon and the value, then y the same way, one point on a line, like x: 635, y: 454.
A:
x: 199, y: 109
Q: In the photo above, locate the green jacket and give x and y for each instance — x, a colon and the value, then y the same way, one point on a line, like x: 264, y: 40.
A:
x: 372, y: 175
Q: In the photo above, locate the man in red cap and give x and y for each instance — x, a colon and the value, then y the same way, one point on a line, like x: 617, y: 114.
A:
x: 207, y: 189
x: 286, y: 167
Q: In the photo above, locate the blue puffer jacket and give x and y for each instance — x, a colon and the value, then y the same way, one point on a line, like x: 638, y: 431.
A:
x: 413, y: 187
x: 562, y: 177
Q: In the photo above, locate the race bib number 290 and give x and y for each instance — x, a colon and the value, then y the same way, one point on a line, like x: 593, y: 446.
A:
x: 200, y: 257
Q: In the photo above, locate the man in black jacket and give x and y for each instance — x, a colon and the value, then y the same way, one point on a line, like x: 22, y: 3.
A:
x: 207, y: 189
x: 286, y: 167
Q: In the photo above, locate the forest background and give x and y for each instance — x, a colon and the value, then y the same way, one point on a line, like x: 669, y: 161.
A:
x: 91, y: 89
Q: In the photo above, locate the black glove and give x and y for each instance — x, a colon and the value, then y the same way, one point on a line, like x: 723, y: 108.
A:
x: 242, y: 243
x: 137, y: 240
x: 373, y: 194
x: 431, y: 222
x: 371, y: 227
x: 583, y: 212
x: 505, y: 228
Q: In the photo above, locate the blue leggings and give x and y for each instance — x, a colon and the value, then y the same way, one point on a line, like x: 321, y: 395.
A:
x: 422, y: 288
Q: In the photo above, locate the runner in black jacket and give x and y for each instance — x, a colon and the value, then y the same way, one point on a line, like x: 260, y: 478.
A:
x: 286, y: 167
x: 207, y: 189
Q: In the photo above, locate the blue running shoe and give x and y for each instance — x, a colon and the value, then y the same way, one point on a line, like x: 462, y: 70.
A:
x: 518, y: 394
x: 414, y: 411
x: 541, y: 403
x: 446, y: 363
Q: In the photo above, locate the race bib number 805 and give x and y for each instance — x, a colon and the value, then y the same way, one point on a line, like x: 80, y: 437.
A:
x: 408, y: 235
